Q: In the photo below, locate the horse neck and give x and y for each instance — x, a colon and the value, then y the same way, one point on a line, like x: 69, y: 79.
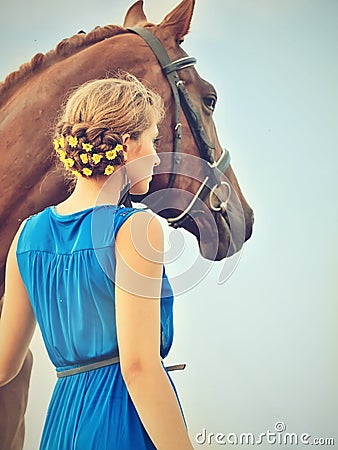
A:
x: 64, y: 50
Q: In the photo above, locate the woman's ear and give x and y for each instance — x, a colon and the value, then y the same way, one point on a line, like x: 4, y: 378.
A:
x: 125, y: 142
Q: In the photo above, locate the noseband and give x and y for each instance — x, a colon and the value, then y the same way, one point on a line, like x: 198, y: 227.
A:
x: 182, y: 100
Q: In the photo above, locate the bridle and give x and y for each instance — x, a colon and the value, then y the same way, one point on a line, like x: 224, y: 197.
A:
x: 182, y: 100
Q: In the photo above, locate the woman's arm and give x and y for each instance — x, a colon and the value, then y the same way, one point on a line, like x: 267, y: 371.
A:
x: 139, y: 259
x: 17, y: 321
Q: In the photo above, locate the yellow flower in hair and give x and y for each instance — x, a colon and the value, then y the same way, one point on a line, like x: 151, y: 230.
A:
x: 72, y: 141
x: 69, y: 162
x: 61, y: 153
x: 84, y: 158
x: 56, y: 144
x: 109, y: 170
x: 87, y: 172
x: 87, y: 147
x: 119, y: 148
x: 62, y: 142
x: 76, y: 173
x: 96, y: 158
x: 111, y: 154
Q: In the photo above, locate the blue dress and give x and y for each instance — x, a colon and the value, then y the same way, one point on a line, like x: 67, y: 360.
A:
x: 67, y: 264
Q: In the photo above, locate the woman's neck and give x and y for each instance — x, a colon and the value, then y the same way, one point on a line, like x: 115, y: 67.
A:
x: 92, y: 192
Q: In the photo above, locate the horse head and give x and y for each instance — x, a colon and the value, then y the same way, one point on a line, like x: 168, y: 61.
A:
x: 31, y: 97
x: 225, y: 217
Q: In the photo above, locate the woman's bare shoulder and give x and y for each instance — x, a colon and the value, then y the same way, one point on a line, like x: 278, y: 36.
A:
x: 142, y: 232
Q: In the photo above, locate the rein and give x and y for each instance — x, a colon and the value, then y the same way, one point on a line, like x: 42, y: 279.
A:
x: 182, y: 101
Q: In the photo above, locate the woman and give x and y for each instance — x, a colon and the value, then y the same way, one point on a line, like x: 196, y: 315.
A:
x: 90, y: 271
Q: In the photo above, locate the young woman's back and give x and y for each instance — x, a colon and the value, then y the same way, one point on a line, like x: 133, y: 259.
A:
x: 69, y: 273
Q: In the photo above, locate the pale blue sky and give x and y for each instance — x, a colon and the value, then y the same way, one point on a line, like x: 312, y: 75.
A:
x: 263, y: 346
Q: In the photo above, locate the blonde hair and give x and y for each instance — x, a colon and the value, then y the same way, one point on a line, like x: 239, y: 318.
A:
x: 96, y: 115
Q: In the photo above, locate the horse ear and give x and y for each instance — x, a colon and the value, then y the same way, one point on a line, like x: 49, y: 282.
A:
x: 178, y: 21
x: 135, y: 15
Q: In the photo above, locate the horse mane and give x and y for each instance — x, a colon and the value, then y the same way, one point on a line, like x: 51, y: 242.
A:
x: 64, y: 49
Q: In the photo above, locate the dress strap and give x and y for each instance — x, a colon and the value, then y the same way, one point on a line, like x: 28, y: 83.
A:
x: 104, y: 363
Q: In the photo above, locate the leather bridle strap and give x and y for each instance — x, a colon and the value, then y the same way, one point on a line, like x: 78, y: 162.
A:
x: 170, y: 69
x: 182, y: 99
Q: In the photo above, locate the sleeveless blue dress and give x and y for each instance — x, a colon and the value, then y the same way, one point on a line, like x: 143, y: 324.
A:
x: 67, y: 264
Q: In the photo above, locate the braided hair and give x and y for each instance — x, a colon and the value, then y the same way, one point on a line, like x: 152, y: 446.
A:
x: 88, y: 137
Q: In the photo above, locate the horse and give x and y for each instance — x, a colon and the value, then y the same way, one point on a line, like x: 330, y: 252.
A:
x: 30, y: 99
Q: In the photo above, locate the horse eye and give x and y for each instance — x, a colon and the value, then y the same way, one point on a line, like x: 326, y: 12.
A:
x: 210, y: 102
x: 156, y: 141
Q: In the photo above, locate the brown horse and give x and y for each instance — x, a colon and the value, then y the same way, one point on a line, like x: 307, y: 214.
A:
x: 31, y: 97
